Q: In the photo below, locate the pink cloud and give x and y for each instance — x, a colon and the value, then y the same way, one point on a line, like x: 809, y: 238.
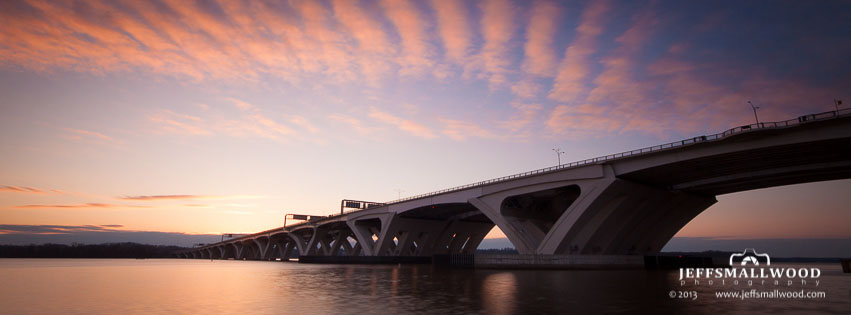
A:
x: 461, y: 130
x: 79, y: 206
x: 454, y: 29
x: 251, y: 122
x: 166, y: 197
x: 303, y: 123
x: 539, y: 49
x: 581, y: 121
x: 525, y: 115
x: 570, y: 82
x: 628, y: 99
x: 416, y: 50
x: 80, y: 133
x: 408, y: 126
x: 354, y: 123
x: 22, y: 189
x: 176, y: 38
x: 172, y: 122
x: 497, y: 30
x: 255, y: 122
x: 658, y: 98
x: 526, y: 88
x: 372, y: 42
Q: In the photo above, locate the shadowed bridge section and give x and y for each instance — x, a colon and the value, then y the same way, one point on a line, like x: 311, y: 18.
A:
x: 628, y: 203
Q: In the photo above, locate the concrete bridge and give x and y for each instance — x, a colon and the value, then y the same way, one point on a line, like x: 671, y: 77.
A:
x: 629, y: 203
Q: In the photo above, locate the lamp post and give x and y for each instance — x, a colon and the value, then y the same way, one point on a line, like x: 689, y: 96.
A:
x: 558, y: 154
x: 754, y: 112
x: 836, y: 103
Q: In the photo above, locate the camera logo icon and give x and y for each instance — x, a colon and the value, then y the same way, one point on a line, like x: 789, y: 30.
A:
x: 749, y: 256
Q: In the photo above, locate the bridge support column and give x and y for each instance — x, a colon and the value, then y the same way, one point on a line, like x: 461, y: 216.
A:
x: 591, y: 215
x: 462, y: 237
x: 263, y: 247
x: 368, y: 230
x: 285, y: 248
x: 624, y: 218
x: 303, y: 239
x: 409, y: 237
x: 237, y: 250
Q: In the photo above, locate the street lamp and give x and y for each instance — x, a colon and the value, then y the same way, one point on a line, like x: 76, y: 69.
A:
x: 754, y: 112
x: 836, y: 103
x: 558, y: 154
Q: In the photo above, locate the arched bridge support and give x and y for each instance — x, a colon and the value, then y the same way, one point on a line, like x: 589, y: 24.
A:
x: 597, y: 215
x: 334, y: 239
x: 427, y: 229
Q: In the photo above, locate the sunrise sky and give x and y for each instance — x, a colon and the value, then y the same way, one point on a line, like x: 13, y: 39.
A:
x: 221, y: 116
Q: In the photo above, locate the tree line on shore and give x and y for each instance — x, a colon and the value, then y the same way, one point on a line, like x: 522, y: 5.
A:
x: 109, y: 250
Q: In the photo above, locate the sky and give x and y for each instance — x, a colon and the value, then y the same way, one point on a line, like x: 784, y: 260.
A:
x: 210, y: 117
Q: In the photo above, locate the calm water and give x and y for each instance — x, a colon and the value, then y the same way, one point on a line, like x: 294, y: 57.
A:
x: 113, y: 286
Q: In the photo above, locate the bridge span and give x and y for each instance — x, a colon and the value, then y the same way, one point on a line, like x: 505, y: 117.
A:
x: 628, y: 203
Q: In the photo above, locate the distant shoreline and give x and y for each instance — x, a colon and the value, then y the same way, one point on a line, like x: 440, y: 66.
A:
x: 131, y: 250
x: 109, y: 250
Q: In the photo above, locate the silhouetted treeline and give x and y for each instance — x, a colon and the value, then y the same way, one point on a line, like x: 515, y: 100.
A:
x: 507, y: 250
x: 725, y: 254
x: 110, y: 250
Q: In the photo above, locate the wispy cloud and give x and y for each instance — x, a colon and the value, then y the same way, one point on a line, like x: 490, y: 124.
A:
x: 373, y: 46
x: 250, y: 122
x: 619, y: 101
x: 172, y: 122
x: 461, y: 130
x: 27, y: 190
x: 581, y: 121
x: 405, y: 125
x: 454, y: 27
x: 256, y: 123
x: 525, y: 114
x: 417, y: 51
x: 56, y: 229
x: 512, y: 46
x: 357, y: 125
x: 575, y: 66
x: 303, y: 123
x: 539, y: 50
x: 80, y: 206
x: 497, y: 31
x: 166, y: 197
x: 81, y: 134
x: 526, y: 88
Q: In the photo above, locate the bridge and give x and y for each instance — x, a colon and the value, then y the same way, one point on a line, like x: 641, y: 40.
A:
x: 629, y: 203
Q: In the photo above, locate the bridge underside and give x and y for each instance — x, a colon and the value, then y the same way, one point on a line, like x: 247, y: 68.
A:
x: 752, y: 169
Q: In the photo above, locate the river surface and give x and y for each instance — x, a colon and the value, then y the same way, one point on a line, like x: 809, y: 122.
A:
x: 174, y: 286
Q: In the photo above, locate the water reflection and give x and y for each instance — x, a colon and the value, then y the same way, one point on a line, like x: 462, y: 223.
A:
x: 499, y: 293
x: 237, y: 287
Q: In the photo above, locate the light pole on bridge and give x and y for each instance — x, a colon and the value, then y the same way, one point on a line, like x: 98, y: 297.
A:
x: 754, y: 113
x: 558, y: 152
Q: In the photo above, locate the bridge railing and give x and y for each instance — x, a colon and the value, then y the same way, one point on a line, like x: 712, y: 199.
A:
x: 626, y: 154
